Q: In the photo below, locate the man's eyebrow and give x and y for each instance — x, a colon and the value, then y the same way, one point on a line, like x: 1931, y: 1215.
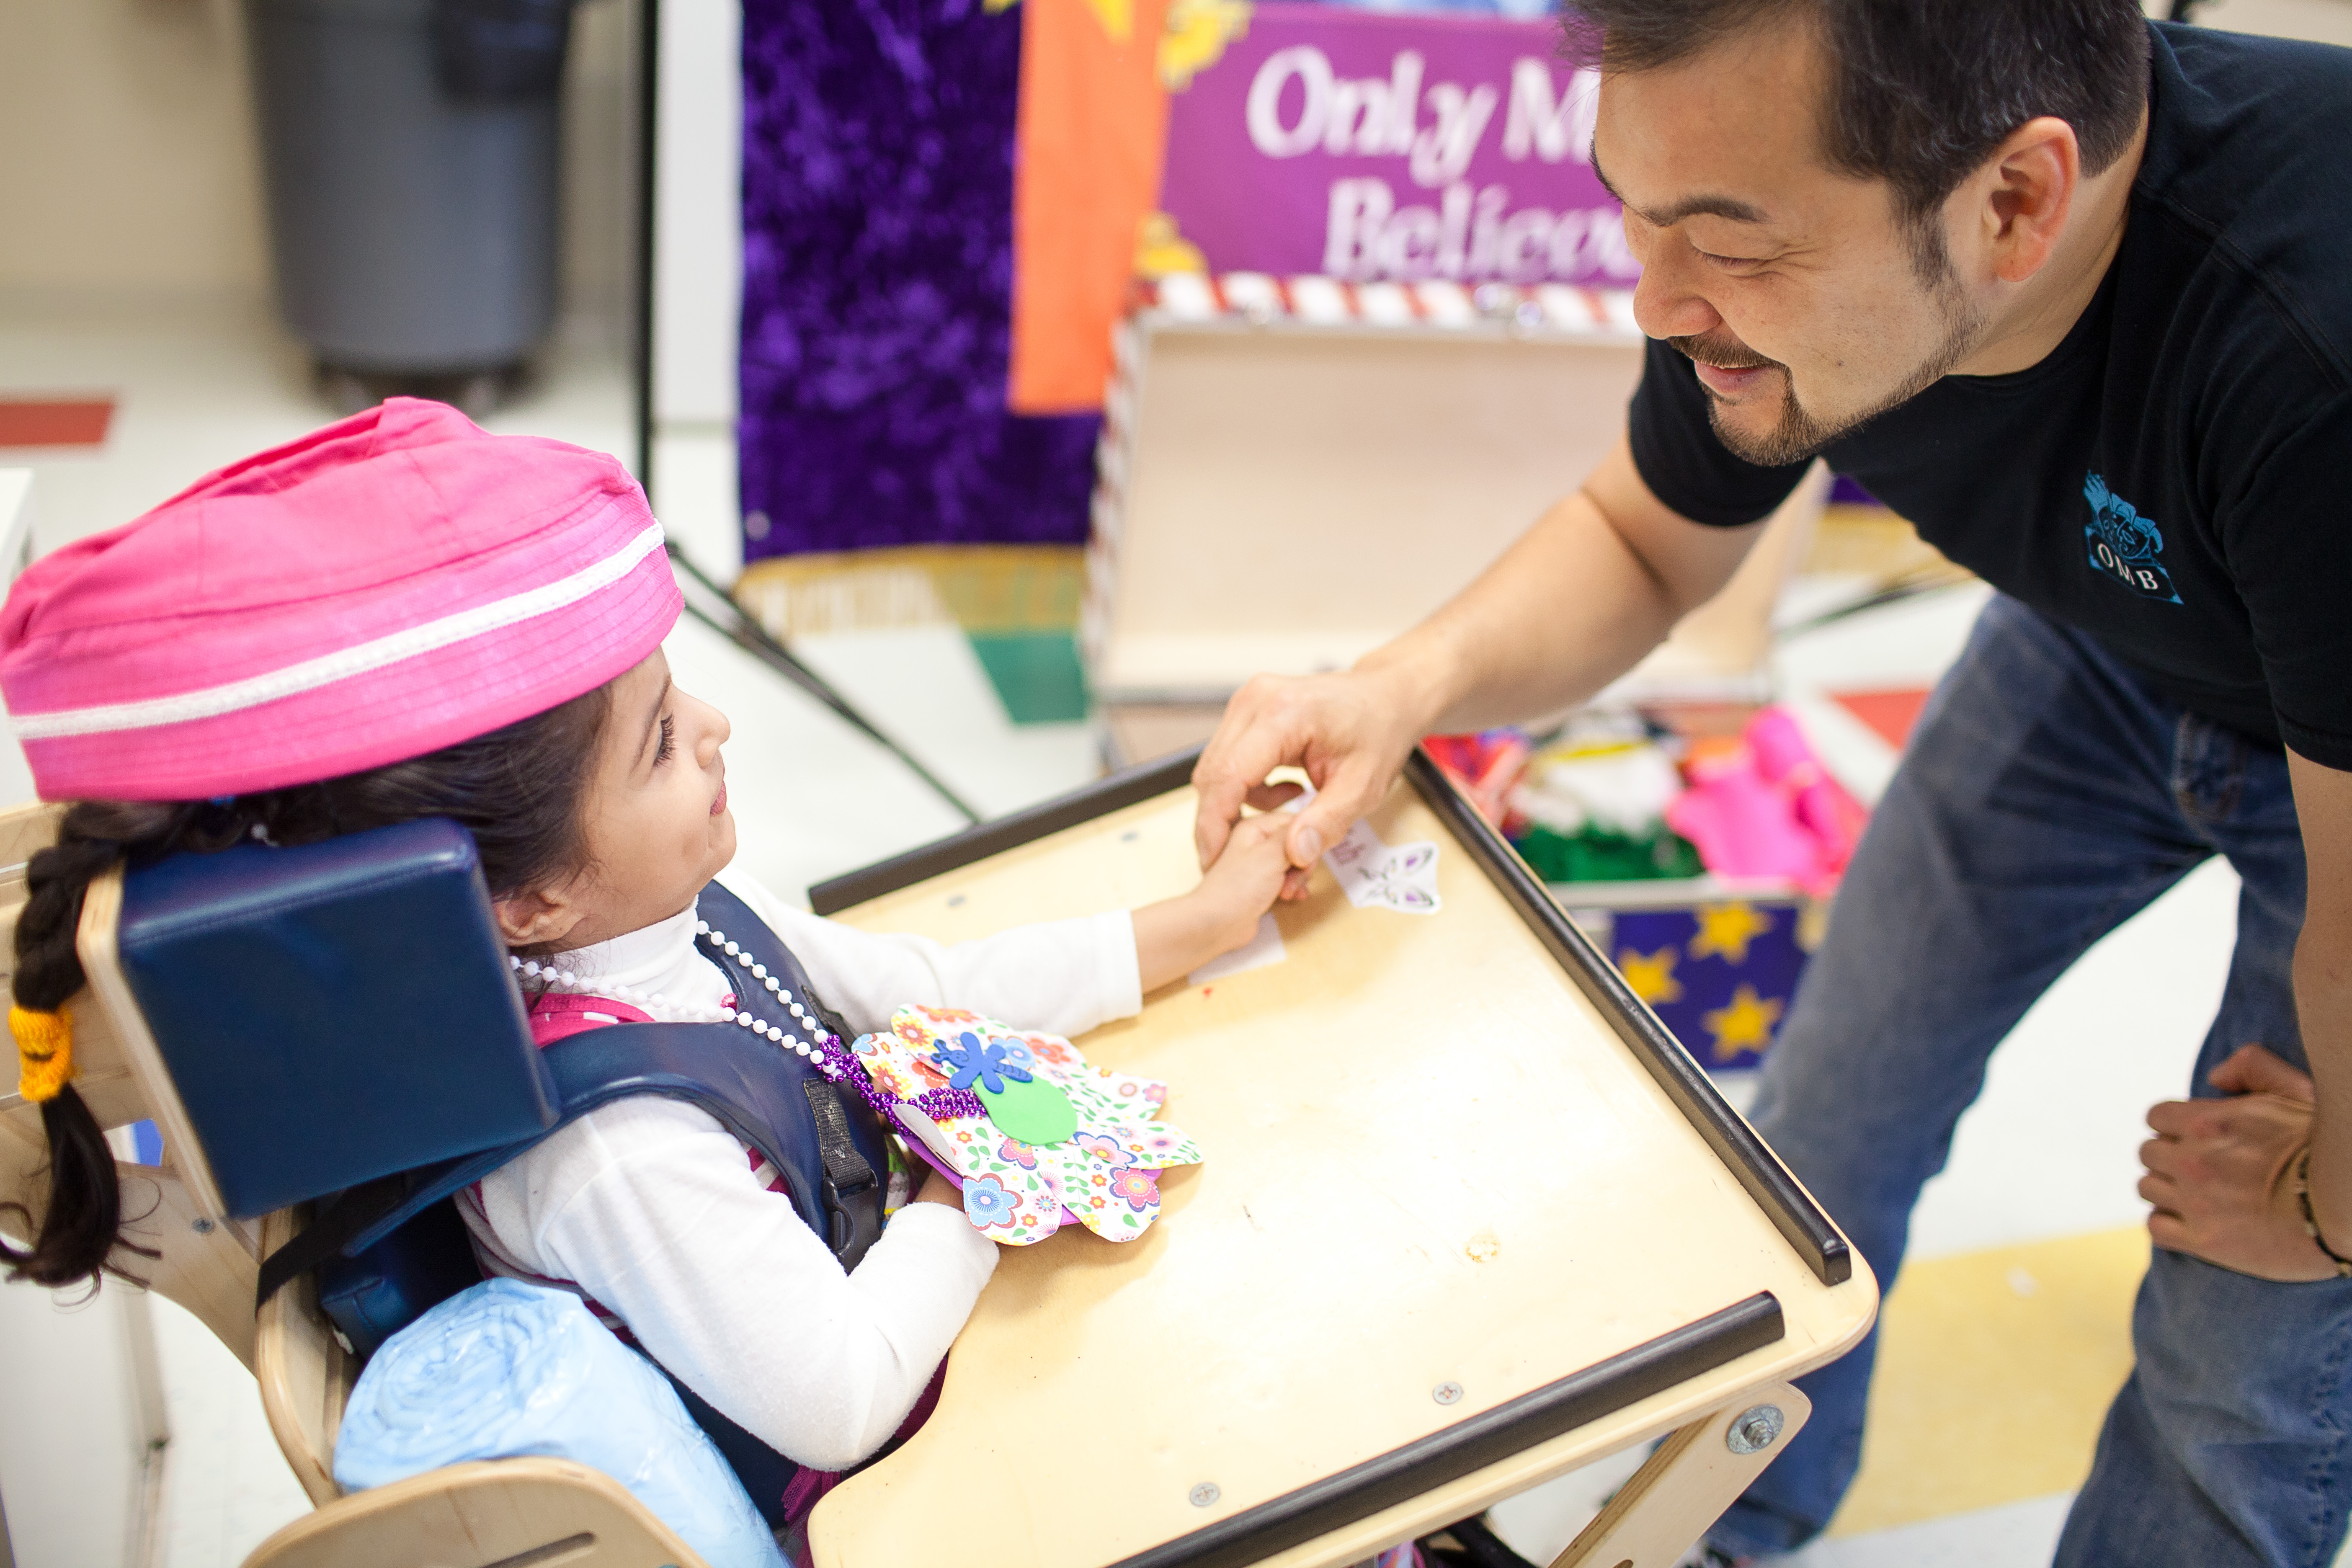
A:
x: 1729, y: 207
x: 652, y: 720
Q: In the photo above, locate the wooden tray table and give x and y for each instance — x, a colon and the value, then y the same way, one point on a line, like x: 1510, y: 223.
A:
x: 1469, y: 1219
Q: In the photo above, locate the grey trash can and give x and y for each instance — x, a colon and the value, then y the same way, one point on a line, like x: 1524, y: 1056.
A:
x: 410, y: 150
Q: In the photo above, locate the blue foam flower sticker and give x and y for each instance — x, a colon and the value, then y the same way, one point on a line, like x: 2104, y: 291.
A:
x: 972, y: 1062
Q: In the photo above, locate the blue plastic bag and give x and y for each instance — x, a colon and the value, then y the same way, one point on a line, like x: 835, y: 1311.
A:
x: 506, y: 1369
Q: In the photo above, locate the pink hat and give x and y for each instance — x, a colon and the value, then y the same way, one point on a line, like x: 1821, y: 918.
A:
x: 394, y: 583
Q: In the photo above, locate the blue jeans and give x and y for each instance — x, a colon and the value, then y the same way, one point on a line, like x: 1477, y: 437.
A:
x: 2048, y: 794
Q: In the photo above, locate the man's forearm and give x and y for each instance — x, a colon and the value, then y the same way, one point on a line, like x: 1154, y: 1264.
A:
x: 1566, y: 610
x: 2322, y: 1005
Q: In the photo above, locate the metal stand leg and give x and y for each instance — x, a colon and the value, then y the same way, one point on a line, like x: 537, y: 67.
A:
x: 1689, y: 1482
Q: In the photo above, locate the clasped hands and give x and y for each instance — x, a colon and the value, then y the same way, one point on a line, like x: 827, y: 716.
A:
x: 2220, y: 1173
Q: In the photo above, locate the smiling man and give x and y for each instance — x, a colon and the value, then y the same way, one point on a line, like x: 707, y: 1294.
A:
x: 2070, y: 290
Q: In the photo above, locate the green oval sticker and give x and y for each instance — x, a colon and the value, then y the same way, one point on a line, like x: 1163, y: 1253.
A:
x: 1035, y: 1112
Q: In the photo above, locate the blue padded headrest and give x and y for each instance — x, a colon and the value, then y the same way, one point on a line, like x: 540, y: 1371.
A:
x: 333, y: 1013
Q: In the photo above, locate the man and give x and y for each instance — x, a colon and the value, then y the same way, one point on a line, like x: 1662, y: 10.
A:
x: 2071, y: 291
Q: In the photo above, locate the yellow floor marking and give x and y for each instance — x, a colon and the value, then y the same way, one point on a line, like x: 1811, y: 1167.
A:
x: 980, y: 587
x: 1995, y: 1370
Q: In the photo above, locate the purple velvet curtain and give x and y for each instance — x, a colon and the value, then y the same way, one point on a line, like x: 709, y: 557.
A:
x: 877, y: 268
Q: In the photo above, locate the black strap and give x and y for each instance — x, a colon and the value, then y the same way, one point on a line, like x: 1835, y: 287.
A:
x: 325, y: 1235
x: 844, y: 1167
x: 854, y: 1227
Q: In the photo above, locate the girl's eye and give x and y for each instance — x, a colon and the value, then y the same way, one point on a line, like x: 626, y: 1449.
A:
x: 669, y: 747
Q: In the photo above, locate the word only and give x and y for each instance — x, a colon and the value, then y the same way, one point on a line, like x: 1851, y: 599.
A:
x: 1298, y: 105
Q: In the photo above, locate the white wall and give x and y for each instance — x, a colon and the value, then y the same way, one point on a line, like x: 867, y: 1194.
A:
x: 131, y: 163
x: 699, y: 279
x: 2324, y: 21
x: 697, y: 214
x: 84, y: 1419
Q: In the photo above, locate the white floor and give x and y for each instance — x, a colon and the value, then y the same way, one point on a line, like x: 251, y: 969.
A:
x: 2048, y: 1151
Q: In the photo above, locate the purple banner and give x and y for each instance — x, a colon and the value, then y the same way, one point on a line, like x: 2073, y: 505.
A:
x: 1367, y: 146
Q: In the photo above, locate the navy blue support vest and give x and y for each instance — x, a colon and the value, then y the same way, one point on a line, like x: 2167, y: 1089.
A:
x: 387, y: 1251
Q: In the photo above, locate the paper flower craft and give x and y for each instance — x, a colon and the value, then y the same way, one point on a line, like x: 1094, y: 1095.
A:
x: 1037, y: 1135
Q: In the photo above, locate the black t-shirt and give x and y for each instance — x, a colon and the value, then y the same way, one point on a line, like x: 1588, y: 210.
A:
x: 2175, y: 476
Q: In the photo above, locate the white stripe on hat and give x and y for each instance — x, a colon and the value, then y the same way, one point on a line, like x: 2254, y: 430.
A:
x: 345, y: 663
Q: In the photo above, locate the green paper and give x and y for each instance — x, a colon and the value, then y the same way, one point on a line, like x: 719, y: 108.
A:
x: 1036, y: 674
x: 1035, y: 1113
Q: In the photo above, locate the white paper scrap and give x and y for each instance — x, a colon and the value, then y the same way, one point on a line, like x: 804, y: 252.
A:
x: 1260, y: 950
x: 1402, y: 877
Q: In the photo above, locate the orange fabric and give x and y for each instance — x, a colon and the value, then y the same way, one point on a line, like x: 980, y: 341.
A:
x: 1891, y: 713
x: 1091, y: 137
x: 55, y: 422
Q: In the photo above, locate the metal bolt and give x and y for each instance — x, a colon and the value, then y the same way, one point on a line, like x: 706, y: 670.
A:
x: 201, y: 1227
x: 1205, y: 1493
x: 1447, y: 1392
x: 1755, y: 1429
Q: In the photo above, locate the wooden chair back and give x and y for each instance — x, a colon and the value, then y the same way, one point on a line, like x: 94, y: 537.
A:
x: 503, y: 1513
x: 499, y: 1512
x: 207, y: 1262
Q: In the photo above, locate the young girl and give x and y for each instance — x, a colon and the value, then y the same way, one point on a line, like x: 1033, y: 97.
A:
x: 401, y: 616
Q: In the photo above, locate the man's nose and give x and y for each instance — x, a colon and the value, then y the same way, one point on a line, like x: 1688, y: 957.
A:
x: 1666, y: 305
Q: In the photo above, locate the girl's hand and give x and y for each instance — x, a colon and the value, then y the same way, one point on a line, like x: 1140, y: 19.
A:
x: 1177, y: 936
x: 938, y: 1189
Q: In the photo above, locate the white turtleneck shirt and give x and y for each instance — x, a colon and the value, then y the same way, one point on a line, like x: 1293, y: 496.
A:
x: 651, y: 1208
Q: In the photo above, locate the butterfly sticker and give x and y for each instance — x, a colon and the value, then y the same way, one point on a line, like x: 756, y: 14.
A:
x: 1372, y: 874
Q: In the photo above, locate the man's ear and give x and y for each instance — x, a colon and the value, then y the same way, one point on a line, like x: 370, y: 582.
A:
x: 537, y: 917
x: 2025, y: 191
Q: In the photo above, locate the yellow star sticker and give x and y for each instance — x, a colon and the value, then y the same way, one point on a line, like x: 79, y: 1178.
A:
x: 1746, y: 1025
x: 1727, y: 928
x: 1116, y: 17
x: 1161, y: 251
x: 1652, y: 975
x: 1195, y: 37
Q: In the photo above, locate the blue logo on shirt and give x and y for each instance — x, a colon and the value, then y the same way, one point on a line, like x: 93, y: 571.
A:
x: 2125, y: 545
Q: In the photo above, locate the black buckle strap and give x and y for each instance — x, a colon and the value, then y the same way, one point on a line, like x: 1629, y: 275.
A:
x: 356, y: 1211
x: 847, y: 1175
x: 845, y: 1170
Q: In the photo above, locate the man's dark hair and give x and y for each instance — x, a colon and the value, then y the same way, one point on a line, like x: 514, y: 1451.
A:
x: 1920, y: 91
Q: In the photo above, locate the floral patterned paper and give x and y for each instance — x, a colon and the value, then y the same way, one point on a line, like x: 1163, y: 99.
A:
x: 1105, y: 1176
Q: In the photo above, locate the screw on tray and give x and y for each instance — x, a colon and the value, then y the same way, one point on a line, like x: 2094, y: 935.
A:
x: 1756, y: 1429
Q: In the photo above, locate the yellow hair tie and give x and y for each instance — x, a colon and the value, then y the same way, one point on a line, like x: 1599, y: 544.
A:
x: 44, y: 1049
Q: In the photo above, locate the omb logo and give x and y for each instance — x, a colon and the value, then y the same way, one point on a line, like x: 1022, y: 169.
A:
x: 2124, y: 545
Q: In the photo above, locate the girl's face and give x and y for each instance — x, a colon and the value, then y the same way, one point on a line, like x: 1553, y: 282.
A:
x: 657, y: 825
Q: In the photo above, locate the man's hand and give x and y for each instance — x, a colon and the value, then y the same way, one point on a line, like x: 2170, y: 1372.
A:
x: 1576, y: 603
x: 2219, y: 1171
x: 1351, y: 732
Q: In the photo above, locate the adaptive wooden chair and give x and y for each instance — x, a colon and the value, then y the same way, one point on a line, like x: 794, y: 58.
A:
x: 1469, y: 1219
x: 195, y: 1209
